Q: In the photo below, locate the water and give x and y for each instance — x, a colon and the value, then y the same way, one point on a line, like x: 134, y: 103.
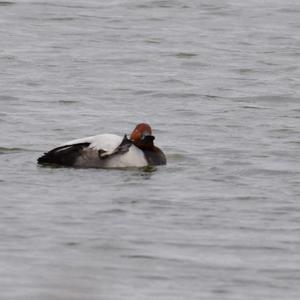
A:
x: 219, y: 83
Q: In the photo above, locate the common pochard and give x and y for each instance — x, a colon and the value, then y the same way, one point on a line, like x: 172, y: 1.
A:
x: 108, y: 151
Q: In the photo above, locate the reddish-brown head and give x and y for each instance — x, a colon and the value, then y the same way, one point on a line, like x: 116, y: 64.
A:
x: 140, y: 131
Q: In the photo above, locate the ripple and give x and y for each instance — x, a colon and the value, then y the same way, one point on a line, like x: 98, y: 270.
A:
x: 294, y: 142
x: 281, y: 131
x: 163, y: 3
x: 185, y: 55
x: 6, y: 3
x: 7, y: 150
x: 254, y: 107
x: 152, y: 41
x: 9, y: 98
x: 62, y: 5
x: 249, y: 198
x: 176, y: 95
x: 268, y: 172
x: 245, y: 71
x: 274, y: 99
x: 68, y: 102
x: 8, y: 57
x: 140, y: 256
x: 71, y: 244
x: 111, y: 211
x: 60, y: 19
x: 154, y: 277
x: 186, y: 112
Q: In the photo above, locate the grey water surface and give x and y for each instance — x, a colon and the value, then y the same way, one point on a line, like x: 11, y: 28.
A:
x: 219, y: 81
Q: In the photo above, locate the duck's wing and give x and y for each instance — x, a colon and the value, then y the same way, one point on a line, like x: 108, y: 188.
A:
x: 65, y: 155
x: 121, y: 149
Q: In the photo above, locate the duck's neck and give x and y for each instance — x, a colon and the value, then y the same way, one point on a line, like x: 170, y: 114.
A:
x: 145, y: 144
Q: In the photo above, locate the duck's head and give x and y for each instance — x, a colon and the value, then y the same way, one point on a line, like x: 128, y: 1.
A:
x: 142, y: 136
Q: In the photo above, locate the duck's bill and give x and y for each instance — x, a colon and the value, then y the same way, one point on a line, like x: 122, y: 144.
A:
x: 148, y: 138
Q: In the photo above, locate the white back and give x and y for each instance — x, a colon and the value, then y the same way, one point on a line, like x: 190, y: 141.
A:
x: 107, y: 142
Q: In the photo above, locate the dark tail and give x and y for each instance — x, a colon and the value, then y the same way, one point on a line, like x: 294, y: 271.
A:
x: 64, y: 155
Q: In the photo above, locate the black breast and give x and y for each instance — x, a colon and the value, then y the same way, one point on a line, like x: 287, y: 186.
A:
x: 155, y: 157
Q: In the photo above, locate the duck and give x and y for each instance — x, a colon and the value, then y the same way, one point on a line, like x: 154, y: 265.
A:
x: 108, y: 151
